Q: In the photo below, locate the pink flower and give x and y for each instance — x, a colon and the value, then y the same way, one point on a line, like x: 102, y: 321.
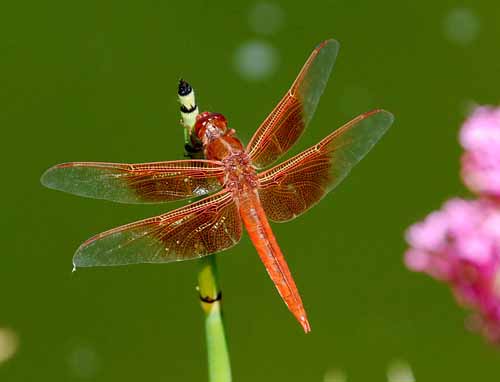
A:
x: 480, y: 137
x: 460, y: 245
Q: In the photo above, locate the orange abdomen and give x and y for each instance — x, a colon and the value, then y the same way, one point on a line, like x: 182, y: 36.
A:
x: 263, y: 239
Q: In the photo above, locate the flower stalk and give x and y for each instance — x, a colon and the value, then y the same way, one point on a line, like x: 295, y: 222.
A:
x: 219, y: 366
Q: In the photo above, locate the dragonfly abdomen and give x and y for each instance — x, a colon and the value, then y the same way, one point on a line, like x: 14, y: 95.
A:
x: 259, y: 230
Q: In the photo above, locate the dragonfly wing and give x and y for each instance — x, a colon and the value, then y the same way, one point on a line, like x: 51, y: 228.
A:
x: 137, y: 183
x: 294, y: 186
x: 283, y: 127
x: 208, y: 226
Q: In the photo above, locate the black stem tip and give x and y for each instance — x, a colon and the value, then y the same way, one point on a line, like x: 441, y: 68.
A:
x: 184, y: 88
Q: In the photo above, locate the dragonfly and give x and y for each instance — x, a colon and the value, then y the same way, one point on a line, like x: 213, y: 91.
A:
x: 238, y: 185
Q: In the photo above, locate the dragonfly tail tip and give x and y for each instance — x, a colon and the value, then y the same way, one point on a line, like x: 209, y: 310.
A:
x: 305, y: 324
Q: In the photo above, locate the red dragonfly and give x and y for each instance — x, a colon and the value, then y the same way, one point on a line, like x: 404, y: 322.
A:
x: 242, y: 196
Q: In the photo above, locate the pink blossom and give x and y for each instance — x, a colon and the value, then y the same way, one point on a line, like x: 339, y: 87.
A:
x: 480, y: 137
x: 460, y: 245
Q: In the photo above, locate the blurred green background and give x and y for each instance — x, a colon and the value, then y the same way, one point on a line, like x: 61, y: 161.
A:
x: 97, y: 81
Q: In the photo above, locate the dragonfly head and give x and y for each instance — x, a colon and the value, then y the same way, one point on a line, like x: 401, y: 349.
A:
x: 210, y: 126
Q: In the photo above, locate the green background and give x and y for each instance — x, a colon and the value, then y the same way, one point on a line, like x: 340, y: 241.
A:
x: 96, y: 80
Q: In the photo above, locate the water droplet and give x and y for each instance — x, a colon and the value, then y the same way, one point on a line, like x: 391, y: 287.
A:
x: 255, y: 60
x: 266, y: 18
x: 400, y: 371
x: 83, y: 361
x: 335, y: 375
x: 9, y: 343
x: 461, y: 26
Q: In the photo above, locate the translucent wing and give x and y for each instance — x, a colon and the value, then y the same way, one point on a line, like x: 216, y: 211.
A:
x: 136, y: 183
x: 292, y: 187
x: 210, y: 225
x: 281, y: 129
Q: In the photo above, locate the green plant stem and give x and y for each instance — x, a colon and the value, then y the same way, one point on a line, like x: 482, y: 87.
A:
x: 219, y: 366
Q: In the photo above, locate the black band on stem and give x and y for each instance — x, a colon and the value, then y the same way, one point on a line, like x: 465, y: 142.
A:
x: 184, y: 109
x: 210, y: 300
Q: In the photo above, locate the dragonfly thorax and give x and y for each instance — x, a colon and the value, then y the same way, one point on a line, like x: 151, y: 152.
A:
x: 240, y: 174
x: 210, y: 126
x: 218, y: 141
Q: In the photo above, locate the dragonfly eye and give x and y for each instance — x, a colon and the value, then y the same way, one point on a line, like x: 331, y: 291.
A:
x: 204, y: 119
